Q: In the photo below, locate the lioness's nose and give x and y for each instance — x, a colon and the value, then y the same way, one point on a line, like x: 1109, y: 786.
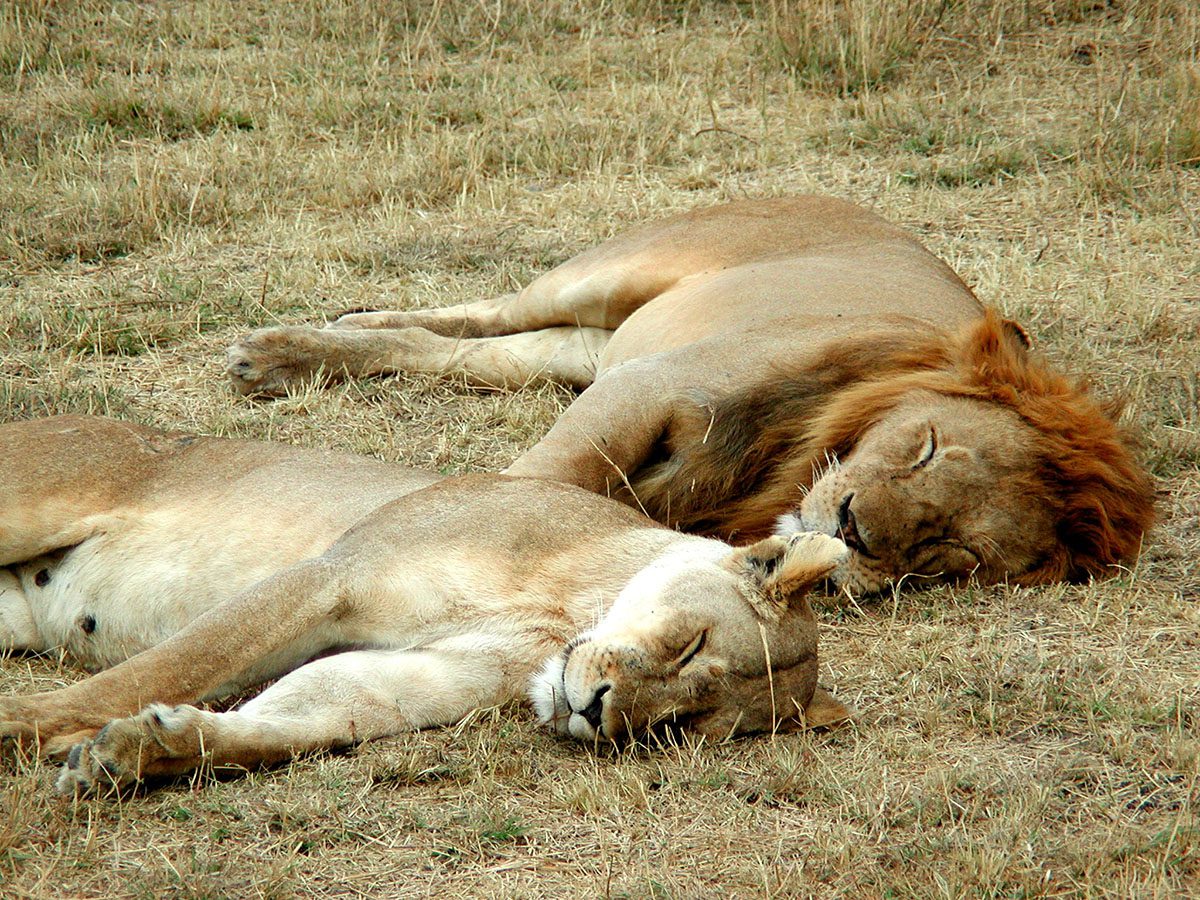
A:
x: 593, y: 710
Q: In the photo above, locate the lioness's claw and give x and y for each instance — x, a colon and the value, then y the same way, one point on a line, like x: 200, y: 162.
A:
x: 89, y: 769
x: 59, y: 746
x: 78, y: 774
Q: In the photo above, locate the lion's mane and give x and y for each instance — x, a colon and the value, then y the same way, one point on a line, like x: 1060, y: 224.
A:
x: 737, y: 463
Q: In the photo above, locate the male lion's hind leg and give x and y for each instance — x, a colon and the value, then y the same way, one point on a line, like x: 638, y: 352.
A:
x: 553, y: 330
x: 332, y: 702
x: 270, y: 360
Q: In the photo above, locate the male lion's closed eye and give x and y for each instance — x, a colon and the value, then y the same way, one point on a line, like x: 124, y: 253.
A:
x: 928, y: 448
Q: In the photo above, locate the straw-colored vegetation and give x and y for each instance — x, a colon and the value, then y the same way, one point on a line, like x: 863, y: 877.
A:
x: 172, y: 174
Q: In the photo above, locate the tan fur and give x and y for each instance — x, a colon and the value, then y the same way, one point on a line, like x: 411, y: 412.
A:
x: 198, y: 567
x: 729, y: 357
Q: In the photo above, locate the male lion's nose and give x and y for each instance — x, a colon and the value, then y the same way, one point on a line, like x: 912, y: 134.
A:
x: 593, y: 710
x: 848, y: 529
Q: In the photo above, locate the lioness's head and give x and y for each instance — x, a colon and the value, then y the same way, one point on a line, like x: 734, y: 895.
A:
x: 706, y: 639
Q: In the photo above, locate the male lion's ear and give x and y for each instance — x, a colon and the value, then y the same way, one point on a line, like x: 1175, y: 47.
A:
x: 824, y: 710
x: 776, y: 569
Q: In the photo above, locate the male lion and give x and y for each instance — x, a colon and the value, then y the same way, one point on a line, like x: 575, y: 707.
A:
x: 197, y: 567
x: 793, y: 360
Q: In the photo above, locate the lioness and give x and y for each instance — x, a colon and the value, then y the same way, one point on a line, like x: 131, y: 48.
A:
x: 197, y: 567
x: 793, y: 360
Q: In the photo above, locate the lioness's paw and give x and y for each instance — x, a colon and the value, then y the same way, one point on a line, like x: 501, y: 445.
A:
x: 158, y: 740
x: 23, y: 722
x: 266, y: 361
x: 16, y: 731
x: 32, y: 727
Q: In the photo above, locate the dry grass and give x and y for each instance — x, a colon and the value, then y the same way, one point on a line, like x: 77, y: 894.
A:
x: 172, y: 174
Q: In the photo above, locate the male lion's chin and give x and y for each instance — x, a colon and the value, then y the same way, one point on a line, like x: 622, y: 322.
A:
x: 850, y: 585
x: 548, y: 693
x: 853, y: 584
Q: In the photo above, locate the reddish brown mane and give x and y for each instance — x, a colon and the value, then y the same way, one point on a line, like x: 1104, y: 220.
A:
x: 763, y: 445
x: 722, y: 460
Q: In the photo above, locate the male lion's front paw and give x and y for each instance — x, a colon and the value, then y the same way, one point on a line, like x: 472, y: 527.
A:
x: 157, y: 741
x: 266, y: 361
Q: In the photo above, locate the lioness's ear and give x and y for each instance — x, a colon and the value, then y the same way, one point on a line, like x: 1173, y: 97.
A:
x: 824, y: 709
x: 776, y: 569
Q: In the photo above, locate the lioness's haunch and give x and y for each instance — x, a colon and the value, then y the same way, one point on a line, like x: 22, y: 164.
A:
x: 197, y: 567
x: 796, y: 359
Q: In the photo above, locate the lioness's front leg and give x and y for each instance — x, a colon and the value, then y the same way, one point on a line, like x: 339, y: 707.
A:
x: 335, y: 701
x: 227, y: 648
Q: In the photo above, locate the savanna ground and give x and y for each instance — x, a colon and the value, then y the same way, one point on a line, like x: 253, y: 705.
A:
x: 173, y: 174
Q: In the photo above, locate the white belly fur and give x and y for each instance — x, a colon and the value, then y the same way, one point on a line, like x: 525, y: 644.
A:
x: 118, y: 593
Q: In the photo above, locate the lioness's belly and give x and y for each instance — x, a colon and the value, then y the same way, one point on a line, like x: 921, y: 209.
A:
x: 117, y: 594
x: 198, y: 544
x: 872, y: 283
